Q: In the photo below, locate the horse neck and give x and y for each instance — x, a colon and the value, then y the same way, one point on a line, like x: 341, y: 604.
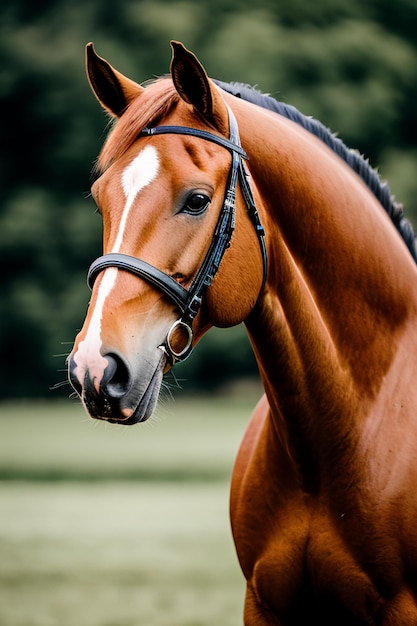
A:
x: 338, y: 294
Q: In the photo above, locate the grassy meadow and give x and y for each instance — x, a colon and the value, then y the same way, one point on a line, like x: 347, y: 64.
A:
x: 105, y: 525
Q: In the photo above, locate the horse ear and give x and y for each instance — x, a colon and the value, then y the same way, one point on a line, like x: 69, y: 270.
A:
x: 193, y: 85
x: 113, y: 90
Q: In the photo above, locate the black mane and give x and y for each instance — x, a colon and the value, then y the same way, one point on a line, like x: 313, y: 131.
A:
x: 360, y: 165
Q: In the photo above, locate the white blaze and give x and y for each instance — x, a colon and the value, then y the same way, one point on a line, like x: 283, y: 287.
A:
x: 135, y: 177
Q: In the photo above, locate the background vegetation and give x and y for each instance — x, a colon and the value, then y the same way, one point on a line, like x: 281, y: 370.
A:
x: 351, y: 64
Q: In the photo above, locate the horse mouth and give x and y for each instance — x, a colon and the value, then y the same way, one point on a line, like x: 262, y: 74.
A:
x: 137, y: 405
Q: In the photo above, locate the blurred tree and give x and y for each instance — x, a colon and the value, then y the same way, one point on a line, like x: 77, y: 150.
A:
x: 350, y: 64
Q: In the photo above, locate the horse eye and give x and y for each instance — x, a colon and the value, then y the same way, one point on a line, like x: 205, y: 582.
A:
x: 196, y: 204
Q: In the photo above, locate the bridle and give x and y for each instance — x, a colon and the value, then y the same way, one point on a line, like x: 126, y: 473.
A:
x: 189, y: 300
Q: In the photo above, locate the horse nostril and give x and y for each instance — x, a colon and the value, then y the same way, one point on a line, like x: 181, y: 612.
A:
x: 116, y: 379
x: 73, y: 378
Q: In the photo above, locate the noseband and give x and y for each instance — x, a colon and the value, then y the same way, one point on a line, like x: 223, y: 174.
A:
x: 189, y: 300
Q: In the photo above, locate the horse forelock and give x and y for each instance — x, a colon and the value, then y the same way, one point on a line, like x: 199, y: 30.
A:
x: 148, y: 109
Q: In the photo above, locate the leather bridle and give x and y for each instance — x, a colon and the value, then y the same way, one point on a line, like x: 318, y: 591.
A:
x: 189, y: 300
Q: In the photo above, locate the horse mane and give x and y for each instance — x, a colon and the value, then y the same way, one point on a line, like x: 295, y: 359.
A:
x: 353, y: 158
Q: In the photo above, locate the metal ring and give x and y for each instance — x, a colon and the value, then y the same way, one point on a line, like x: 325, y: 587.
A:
x: 185, y: 351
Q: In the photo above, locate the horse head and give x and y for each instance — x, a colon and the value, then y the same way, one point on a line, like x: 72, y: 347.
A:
x: 162, y: 193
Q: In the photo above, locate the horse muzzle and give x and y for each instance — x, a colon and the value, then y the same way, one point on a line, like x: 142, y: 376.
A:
x: 118, y: 395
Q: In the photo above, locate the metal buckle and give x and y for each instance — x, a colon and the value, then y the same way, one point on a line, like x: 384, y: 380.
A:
x: 186, y: 351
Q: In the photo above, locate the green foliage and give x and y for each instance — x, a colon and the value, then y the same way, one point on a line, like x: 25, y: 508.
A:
x: 350, y: 64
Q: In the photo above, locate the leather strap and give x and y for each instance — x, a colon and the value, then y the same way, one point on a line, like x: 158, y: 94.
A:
x: 142, y: 269
x: 195, y: 132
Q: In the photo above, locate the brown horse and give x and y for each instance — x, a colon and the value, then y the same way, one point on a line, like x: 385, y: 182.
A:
x: 298, y: 242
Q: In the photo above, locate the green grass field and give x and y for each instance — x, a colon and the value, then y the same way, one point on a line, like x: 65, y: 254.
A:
x: 112, y: 526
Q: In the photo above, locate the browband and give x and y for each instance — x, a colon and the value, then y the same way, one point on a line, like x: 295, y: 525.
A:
x: 195, y: 132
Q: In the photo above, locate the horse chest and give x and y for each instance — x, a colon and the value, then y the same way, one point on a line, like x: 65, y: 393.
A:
x: 305, y: 569
x: 294, y: 558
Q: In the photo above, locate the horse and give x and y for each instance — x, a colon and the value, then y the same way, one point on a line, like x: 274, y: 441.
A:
x: 221, y: 207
